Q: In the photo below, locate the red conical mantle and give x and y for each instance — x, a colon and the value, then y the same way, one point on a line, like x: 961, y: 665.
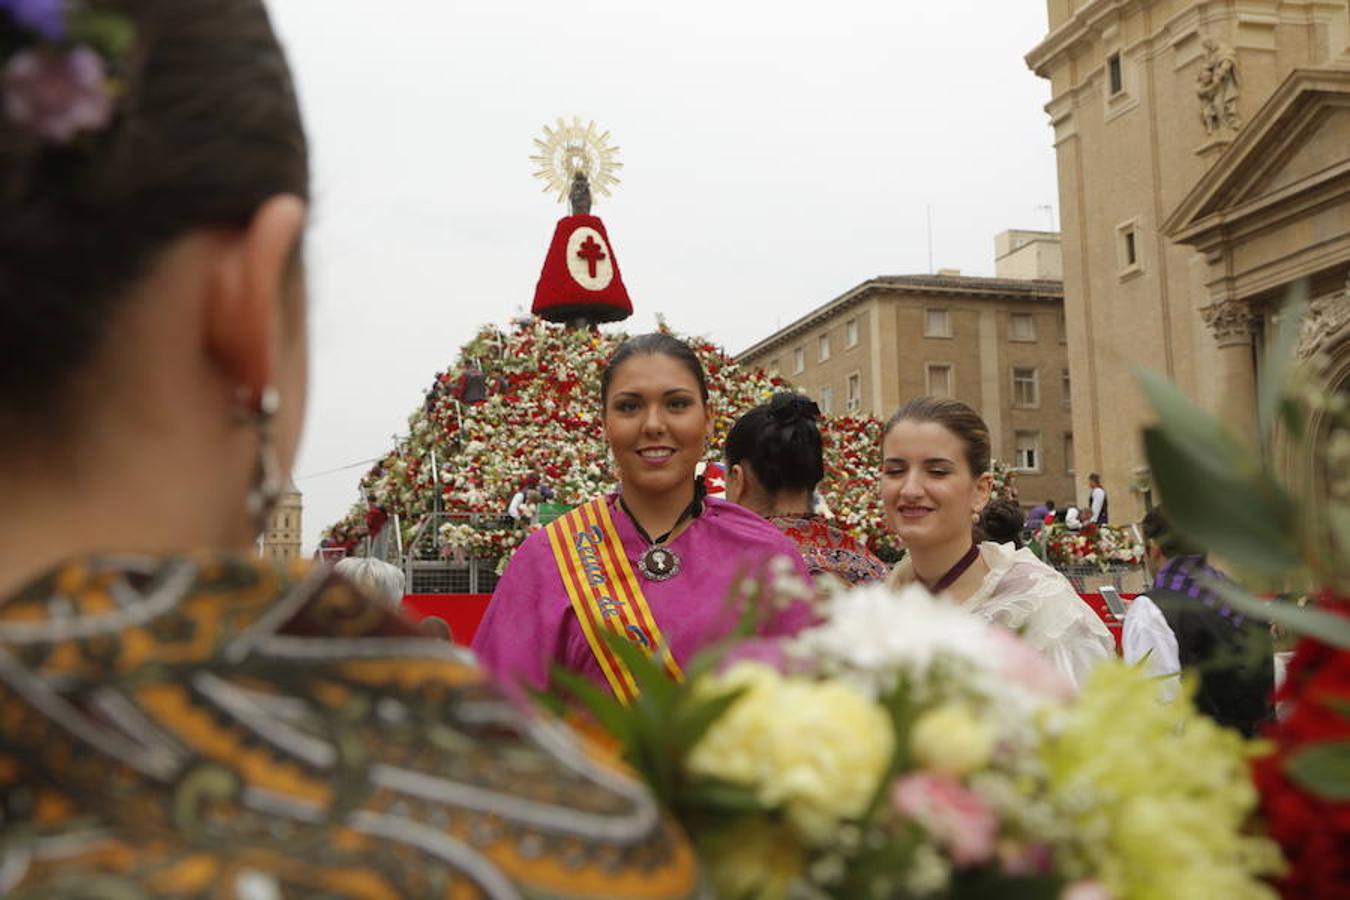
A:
x: 581, y: 277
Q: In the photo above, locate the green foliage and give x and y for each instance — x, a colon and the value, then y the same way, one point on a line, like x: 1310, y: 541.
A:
x: 1231, y: 501
x: 660, y: 728
x: 1328, y: 627
x: 1323, y: 769
x: 1216, y: 492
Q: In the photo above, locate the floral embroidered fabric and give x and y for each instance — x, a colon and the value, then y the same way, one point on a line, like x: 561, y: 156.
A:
x: 830, y: 550
x: 195, y: 728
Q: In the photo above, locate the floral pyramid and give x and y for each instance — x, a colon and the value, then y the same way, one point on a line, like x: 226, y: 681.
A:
x: 525, y: 400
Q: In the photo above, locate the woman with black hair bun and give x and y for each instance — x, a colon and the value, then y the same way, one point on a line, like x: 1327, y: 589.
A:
x: 775, y: 460
x: 1002, y: 522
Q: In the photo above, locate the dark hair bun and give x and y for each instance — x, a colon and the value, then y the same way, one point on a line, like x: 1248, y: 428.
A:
x: 786, y: 409
x: 1002, y: 521
x: 781, y: 442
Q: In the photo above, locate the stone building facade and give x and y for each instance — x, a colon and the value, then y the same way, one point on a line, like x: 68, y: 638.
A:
x: 281, y: 538
x: 1204, y: 168
x: 997, y: 344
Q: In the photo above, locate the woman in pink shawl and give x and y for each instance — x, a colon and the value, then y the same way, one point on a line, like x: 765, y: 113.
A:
x: 657, y: 562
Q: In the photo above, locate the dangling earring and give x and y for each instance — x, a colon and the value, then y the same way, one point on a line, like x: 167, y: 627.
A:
x: 267, y: 484
x: 974, y: 518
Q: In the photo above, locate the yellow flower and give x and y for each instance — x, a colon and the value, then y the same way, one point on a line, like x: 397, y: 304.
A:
x: 756, y: 861
x: 951, y: 740
x: 816, y: 749
x: 1158, y: 794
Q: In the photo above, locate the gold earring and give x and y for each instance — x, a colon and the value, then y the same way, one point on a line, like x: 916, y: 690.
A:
x: 974, y: 518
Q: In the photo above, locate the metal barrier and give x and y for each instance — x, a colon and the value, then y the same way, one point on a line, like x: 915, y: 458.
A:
x: 1126, y: 579
x: 427, y: 567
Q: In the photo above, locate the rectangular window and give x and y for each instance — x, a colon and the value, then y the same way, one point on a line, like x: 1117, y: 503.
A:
x: 1063, y: 329
x: 1114, y: 74
x: 775, y: 366
x: 1026, y: 388
x: 854, y: 392
x: 1028, y: 456
x: 824, y: 353
x: 827, y: 399
x: 939, y: 380
x: 851, y: 333
x: 1128, y: 247
x: 1068, y: 452
x: 799, y: 360
x: 1022, y: 327
x: 1064, y: 385
x: 937, y: 323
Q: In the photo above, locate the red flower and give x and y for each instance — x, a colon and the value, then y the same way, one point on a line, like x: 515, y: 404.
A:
x: 1313, y: 830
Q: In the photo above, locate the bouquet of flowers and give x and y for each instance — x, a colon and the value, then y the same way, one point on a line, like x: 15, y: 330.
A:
x: 1091, y: 545
x: 903, y: 749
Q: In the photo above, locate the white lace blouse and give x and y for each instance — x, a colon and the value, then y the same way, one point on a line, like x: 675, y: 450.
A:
x: 1027, y: 596
x: 1024, y: 594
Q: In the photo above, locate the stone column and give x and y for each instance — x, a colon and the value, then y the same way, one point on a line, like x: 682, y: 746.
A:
x: 1234, y: 324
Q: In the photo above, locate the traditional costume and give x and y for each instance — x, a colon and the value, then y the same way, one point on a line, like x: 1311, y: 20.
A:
x: 1023, y: 594
x: 582, y: 577
x: 829, y: 550
x: 191, y: 728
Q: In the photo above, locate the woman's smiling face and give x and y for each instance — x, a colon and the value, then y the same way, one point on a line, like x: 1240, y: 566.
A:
x: 927, y: 487
x: 656, y: 423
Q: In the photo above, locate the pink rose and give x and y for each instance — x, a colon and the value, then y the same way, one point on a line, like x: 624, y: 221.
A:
x: 1085, y: 890
x: 1022, y: 665
x: 58, y: 94
x: 958, y: 819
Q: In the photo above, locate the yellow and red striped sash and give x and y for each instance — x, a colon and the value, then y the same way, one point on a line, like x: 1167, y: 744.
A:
x: 605, y: 593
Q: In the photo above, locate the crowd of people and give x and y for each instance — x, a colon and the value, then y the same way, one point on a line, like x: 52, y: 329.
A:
x: 182, y: 719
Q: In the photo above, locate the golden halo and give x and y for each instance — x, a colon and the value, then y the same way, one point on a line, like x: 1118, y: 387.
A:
x: 570, y: 148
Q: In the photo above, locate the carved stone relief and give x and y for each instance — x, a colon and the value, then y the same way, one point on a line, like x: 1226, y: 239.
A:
x: 1326, y: 321
x: 1232, y: 321
x: 1218, y: 86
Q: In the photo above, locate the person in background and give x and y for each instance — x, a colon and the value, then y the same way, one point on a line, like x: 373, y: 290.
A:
x: 1002, y: 521
x: 1182, y: 625
x: 181, y: 718
x: 1072, y: 519
x: 380, y: 579
x: 1098, y: 505
x: 774, y: 461
x: 656, y: 562
x: 935, y: 480
x: 1040, y: 516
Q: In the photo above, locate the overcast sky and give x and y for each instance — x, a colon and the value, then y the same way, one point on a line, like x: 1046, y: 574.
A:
x: 775, y: 154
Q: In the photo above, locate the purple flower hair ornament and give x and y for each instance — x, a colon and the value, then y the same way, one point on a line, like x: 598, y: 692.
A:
x: 45, y: 18
x: 57, y: 83
x: 58, y: 93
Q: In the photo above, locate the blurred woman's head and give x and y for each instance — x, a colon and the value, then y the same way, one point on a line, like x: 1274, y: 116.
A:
x: 1002, y: 522
x: 935, y: 474
x: 656, y: 416
x: 774, y: 455
x: 151, y: 285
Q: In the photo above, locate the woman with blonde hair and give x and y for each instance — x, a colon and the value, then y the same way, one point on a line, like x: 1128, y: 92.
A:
x: 935, y: 481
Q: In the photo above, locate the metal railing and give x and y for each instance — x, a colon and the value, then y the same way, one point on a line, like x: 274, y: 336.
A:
x: 430, y: 566
x: 1124, y: 578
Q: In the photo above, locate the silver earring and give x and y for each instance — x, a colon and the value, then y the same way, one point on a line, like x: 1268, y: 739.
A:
x: 267, y: 484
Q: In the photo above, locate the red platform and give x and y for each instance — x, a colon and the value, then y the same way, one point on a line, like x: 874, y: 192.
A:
x: 463, y: 612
